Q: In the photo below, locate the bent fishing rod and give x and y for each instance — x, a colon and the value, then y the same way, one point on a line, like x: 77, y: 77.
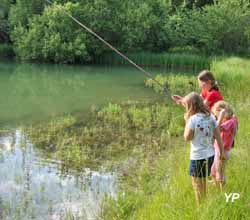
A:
x: 165, y: 89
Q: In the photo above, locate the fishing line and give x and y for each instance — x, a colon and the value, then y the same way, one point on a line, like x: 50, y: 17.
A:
x: 165, y: 89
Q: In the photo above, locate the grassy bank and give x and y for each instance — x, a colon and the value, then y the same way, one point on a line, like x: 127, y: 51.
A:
x: 171, y: 61
x: 163, y: 188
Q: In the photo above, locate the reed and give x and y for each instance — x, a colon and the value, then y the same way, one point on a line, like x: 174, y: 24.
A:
x: 170, y: 61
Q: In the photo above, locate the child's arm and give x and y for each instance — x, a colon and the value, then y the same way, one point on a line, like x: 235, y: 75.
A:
x: 220, y: 142
x: 206, y: 103
x: 188, y: 133
x: 221, y: 116
x: 178, y: 99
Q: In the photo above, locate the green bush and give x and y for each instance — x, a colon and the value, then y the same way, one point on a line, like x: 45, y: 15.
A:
x: 51, y: 37
x: 48, y: 34
x: 222, y: 27
x: 42, y: 32
x: 6, y: 50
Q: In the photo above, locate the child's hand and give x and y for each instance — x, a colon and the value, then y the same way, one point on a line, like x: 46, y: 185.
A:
x: 222, y: 113
x: 177, y: 99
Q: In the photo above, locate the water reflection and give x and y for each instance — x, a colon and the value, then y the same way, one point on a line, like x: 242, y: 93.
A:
x: 32, y: 187
x: 34, y: 92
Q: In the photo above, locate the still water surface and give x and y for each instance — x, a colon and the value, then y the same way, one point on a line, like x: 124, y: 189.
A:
x: 31, y: 185
x: 33, y: 92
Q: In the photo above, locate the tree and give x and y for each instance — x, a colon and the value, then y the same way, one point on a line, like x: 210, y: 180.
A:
x: 190, y: 3
x: 222, y: 27
x: 23, y: 10
x: 197, y: 3
x: 51, y: 37
x: 228, y: 23
x: 4, y: 24
x: 41, y: 31
x: 128, y: 25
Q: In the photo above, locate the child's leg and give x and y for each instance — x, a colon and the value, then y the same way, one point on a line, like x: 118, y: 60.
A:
x: 213, y: 172
x: 227, y: 155
x: 200, y: 189
x: 214, y: 168
x: 222, y: 178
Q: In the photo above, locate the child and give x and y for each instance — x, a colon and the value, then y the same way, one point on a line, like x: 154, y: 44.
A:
x: 201, y: 128
x: 228, y: 124
x: 209, y: 90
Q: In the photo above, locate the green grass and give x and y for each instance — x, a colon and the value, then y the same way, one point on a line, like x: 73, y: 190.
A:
x: 170, y: 61
x: 160, y: 188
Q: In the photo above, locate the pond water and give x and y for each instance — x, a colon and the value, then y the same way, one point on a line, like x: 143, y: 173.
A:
x: 33, y: 92
x: 31, y: 185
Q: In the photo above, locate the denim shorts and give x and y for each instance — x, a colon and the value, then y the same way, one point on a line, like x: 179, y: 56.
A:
x: 201, y: 168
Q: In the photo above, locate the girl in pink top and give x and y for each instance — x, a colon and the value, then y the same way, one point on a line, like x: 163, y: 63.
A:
x: 228, y: 126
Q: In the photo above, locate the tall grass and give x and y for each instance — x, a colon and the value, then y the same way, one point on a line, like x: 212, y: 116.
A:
x: 112, y: 134
x: 170, y: 61
x: 164, y: 191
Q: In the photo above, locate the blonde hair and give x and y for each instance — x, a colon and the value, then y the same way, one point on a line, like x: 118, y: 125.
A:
x: 194, y: 104
x: 218, y: 106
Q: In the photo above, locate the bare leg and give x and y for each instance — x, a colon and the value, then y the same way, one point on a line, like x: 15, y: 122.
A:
x: 200, y: 188
x: 221, y: 181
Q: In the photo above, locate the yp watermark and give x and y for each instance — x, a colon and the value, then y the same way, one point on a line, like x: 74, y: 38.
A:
x: 231, y: 197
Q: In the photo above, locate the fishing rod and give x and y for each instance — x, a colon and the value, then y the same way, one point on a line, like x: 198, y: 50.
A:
x: 165, y: 89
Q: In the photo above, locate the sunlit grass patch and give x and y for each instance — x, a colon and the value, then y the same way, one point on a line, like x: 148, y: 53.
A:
x: 174, y: 198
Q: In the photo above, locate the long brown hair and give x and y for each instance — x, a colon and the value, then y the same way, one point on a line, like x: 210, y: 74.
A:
x: 206, y: 75
x: 194, y: 104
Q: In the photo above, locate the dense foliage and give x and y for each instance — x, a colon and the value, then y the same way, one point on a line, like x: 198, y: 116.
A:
x: 43, y: 32
x: 4, y: 24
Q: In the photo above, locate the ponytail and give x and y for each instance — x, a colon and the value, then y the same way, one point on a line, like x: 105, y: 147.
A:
x: 206, y: 75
